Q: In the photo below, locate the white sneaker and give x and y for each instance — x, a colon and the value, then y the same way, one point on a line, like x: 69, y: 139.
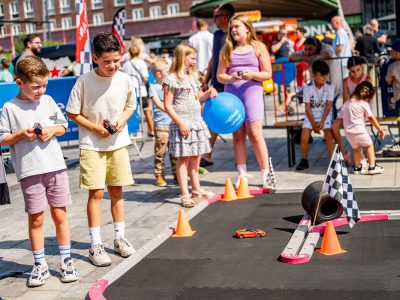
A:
x: 68, y: 271
x: 246, y: 177
x: 123, y: 247
x: 376, y: 169
x: 39, y: 275
x: 267, y: 183
x: 98, y: 256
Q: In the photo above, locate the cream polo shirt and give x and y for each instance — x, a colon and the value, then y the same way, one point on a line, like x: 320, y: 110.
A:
x: 98, y: 98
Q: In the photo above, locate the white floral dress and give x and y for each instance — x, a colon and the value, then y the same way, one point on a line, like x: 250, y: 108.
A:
x: 187, y: 106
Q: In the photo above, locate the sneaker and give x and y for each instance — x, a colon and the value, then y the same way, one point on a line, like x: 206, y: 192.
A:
x: 98, y: 256
x: 160, y: 181
x: 205, y: 163
x: 395, y: 148
x: 376, y: 169
x: 357, y: 170
x: 268, y: 184
x: 68, y: 271
x: 123, y: 247
x: 246, y: 177
x: 302, y: 165
x: 39, y: 275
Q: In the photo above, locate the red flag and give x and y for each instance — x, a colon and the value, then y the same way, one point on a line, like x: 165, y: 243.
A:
x: 83, y: 52
x: 118, y: 28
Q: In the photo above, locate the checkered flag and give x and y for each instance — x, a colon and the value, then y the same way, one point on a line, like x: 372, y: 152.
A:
x: 338, y: 186
x: 83, y: 55
x: 272, y: 178
x: 118, y: 27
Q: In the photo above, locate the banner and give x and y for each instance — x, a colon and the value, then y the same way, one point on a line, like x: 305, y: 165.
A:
x: 83, y: 53
x: 118, y: 27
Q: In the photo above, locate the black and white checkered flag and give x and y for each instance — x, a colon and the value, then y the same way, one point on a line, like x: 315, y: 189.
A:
x: 83, y: 55
x: 272, y: 178
x: 338, y: 185
x: 118, y: 27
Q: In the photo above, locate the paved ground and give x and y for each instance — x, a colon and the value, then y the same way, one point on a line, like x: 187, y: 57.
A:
x: 214, y: 265
x: 150, y: 211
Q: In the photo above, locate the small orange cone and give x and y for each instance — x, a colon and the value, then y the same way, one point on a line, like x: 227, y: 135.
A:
x: 229, y: 193
x: 330, y: 243
x: 183, y: 228
x: 243, y: 190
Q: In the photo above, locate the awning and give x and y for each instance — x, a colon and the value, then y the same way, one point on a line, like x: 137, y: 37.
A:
x: 299, y: 9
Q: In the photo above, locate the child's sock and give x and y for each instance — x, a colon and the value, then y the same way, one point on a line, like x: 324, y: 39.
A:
x: 242, y: 169
x: 65, y: 252
x: 95, y: 238
x: 119, y: 229
x: 38, y: 255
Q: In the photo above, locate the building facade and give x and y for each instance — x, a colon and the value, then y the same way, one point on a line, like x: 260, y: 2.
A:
x: 144, y: 18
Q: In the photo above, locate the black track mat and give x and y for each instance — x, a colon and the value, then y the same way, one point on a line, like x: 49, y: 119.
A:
x: 214, y: 265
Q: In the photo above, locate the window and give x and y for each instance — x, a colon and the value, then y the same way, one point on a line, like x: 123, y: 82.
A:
x: 119, y: 2
x: 65, y: 7
x: 16, y: 29
x: 52, y: 25
x: 136, y: 1
x: 30, y: 28
x: 155, y: 11
x: 98, y: 19
x: 28, y: 8
x: 3, y: 31
x: 173, y: 9
x: 66, y: 23
x: 51, y: 9
x: 14, y: 10
x: 97, y: 4
x: 1, y: 10
x: 137, y: 14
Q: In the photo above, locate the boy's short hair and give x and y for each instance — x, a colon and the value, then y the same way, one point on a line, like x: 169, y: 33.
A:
x: 105, y: 42
x: 31, y: 66
x: 201, y: 23
x: 320, y: 66
x: 134, y: 51
x: 396, y: 45
x: 158, y: 65
x: 5, y: 63
x: 29, y: 38
x: 227, y: 9
x: 355, y: 61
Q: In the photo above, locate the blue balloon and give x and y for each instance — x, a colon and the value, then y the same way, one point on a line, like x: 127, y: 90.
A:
x: 288, y: 68
x: 224, y: 113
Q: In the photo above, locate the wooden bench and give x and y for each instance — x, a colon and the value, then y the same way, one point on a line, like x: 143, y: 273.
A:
x: 290, y: 135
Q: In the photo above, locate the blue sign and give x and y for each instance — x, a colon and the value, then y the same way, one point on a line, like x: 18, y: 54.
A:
x: 284, y: 72
x: 59, y: 89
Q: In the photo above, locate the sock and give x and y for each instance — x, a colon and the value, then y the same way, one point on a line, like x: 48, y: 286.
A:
x: 65, y: 252
x: 119, y: 229
x: 265, y: 174
x: 242, y: 169
x: 95, y: 238
x: 38, y: 255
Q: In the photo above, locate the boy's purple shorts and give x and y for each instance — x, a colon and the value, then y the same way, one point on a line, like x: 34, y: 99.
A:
x: 52, y: 188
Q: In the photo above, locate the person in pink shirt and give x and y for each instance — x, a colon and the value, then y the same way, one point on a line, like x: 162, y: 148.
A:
x: 354, y: 113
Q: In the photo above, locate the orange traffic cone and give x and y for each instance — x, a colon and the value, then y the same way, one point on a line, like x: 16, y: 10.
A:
x: 330, y: 243
x: 243, y: 190
x: 183, y: 228
x: 229, y: 193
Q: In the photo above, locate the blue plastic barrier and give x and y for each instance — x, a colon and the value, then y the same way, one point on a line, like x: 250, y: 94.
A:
x: 59, y: 89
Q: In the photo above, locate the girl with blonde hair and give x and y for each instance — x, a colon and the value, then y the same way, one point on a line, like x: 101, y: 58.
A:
x: 244, y: 65
x: 188, y: 138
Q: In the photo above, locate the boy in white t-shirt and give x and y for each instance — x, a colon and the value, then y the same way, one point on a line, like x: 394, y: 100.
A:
x: 318, y: 98
x: 104, y: 94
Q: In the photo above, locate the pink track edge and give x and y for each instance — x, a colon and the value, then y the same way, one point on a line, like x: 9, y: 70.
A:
x: 301, y: 259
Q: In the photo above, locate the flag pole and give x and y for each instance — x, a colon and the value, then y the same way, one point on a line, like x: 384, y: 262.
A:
x: 320, y: 193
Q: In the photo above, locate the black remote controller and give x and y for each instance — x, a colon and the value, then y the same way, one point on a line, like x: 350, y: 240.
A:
x: 110, y: 127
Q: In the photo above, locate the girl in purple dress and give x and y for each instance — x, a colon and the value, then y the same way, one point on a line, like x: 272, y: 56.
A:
x: 244, y: 64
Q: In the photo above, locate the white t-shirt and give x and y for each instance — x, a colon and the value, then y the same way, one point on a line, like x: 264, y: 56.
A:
x: 137, y: 70
x: 318, y: 98
x: 98, y: 98
x: 202, y: 41
x: 33, y: 157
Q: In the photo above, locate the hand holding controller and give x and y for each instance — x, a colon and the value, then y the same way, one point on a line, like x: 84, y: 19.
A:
x: 110, y: 127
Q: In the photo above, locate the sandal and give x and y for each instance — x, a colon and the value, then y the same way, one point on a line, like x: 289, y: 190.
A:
x: 187, y: 201
x: 202, y: 194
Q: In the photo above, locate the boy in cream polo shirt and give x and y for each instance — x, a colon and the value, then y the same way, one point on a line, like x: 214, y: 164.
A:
x: 105, y: 93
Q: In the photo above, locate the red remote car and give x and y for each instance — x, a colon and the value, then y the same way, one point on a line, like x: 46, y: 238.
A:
x: 249, y: 232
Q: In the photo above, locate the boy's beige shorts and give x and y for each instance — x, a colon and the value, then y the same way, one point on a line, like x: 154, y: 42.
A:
x: 100, y: 168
